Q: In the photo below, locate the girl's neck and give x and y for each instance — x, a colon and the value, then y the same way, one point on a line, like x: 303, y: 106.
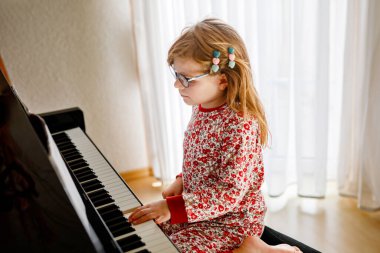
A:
x: 210, y: 109
x: 214, y: 103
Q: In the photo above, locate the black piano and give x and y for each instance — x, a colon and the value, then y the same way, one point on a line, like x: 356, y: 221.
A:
x: 58, y: 193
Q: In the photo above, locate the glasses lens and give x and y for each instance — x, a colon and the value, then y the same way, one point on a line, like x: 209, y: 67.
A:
x: 183, y: 80
x: 180, y: 77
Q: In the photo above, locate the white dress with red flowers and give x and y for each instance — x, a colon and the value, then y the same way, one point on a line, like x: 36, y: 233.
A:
x: 222, y: 174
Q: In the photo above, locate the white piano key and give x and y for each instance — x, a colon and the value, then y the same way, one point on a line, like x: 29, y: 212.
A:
x: 151, y: 235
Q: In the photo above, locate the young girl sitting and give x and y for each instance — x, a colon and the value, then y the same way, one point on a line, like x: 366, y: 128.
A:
x: 216, y: 203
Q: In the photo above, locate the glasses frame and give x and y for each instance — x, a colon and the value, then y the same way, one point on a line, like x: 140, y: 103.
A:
x: 185, y: 81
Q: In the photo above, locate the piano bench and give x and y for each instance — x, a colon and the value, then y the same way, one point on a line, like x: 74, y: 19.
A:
x: 273, y: 237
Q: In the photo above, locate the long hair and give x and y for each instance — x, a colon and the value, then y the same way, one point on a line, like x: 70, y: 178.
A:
x: 198, y: 42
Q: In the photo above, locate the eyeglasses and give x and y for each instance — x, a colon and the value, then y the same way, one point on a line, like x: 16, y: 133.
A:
x: 185, y: 81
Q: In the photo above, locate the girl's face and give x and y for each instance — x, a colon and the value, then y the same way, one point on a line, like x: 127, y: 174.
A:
x: 208, y: 91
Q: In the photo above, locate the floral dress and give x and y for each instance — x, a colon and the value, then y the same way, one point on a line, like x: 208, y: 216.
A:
x: 222, y: 173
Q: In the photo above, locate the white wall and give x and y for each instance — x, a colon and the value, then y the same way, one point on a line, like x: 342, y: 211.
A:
x: 61, y: 54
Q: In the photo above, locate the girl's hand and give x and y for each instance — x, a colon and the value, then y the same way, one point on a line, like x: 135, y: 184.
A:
x: 158, y: 211
x: 174, y: 189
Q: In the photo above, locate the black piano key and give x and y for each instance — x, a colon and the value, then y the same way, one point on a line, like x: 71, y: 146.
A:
x: 99, y: 196
x: 115, y: 220
x: 67, y: 149
x: 97, y: 193
x: 82, y: 171
x: 122, y: 230
x: 143, y: 251
x: 121, y: 224
x: 69, y: 152
x: 60, y: 140
x: 78, y: 165
x: 118, y: 222
x: 130, y: 242
x: 112, y: 214
x: 102, y: 202
x: 59, y: 135
x: 118, y: 217
x: 129, y: 239
x: 73, y: 156
x: 134, y: 245
x: 92, y: 185
x: 107, y: 209
x: 64, y: 145
x: 71, y: 163
x: 86, y: 177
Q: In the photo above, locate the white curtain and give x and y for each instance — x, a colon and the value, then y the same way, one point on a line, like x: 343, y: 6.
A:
x: 296, y: 50
x: 359, y: 167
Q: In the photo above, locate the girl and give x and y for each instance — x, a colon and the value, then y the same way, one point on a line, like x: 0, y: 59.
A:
x: 216, y: 202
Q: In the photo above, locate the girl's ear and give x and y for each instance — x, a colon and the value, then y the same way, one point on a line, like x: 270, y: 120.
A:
x: 223, y: 82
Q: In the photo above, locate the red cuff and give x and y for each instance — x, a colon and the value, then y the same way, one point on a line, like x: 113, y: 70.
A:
x: 179, y: 175
x: 177, y: 209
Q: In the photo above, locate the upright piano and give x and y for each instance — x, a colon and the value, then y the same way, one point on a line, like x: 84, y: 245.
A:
x: 58, y: 193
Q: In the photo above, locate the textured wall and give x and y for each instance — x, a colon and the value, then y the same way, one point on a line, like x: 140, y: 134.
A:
x: 61, y: 54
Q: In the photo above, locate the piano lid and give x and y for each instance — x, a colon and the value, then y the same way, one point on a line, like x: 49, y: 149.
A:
x: 40, y: 208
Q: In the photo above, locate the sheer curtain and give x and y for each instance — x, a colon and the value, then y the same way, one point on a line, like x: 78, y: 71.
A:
x: 296, y: 50
x: 359, y: 173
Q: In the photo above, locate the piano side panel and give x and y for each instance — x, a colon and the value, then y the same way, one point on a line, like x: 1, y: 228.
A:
x: 35, y: 215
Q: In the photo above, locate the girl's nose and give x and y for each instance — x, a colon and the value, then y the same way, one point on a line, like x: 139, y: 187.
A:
x: 178, y: 85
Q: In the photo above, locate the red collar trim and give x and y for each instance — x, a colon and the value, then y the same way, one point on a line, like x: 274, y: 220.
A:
x: 210, y: 109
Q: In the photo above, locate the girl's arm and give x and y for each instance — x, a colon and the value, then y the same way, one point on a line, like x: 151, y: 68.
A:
x: 175, y: 188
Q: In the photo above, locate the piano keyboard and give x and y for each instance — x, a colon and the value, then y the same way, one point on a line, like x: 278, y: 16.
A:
x: 109, y: 194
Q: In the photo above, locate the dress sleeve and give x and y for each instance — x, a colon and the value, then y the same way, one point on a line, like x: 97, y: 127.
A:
x: 237, y: 173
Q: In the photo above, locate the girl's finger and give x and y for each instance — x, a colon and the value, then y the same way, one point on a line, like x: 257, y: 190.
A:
x: 158, y: 220
x: 137, y: 213
x: 144, y: 218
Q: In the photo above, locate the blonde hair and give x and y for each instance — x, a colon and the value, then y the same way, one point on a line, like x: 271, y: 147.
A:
x: 198, y: 43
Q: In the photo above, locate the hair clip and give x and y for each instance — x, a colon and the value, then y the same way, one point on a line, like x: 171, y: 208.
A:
x: 231, y: 57
x: 215, y: 61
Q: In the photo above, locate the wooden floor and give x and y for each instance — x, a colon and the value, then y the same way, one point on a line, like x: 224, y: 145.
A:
x: 333, y: 224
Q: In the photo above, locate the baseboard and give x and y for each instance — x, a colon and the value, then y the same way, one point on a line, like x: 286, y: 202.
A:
x: 136, y: 174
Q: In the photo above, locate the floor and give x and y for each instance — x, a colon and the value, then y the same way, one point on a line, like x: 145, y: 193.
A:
x: 331, y: 224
